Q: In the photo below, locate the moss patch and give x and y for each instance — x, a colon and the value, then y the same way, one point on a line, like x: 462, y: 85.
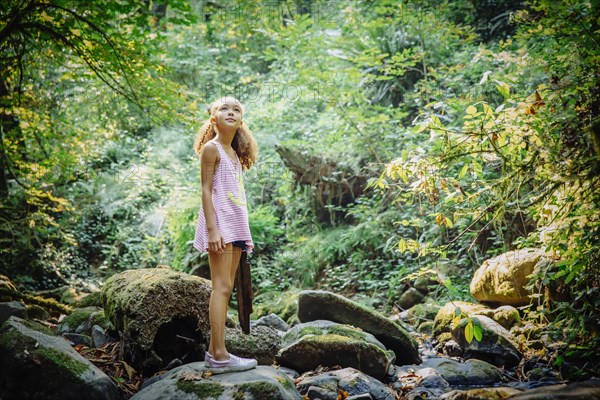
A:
x: 51, y: 305
x: 204, y: 390
x: 285, y: 382
x: 63, y: 361
x: 348, y: 332
x: 259, y: 390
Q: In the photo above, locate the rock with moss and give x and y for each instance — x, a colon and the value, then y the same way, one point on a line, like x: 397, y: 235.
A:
x: 262, y: 343
x: 469, y: 373
x: 497, y: 345
x: 501, y: 280
x: 355, y: 383
x: 315, y: 305
x: 36, y: 364
x: 326, y: 343
x: 193, y: 382
x: 160, y: 314
x: 81, y: 321
x: 507, y: 316
x: 8, y: 292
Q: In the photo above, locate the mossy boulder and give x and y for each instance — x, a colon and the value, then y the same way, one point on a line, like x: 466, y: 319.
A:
x: 192, y: 382
x: 36, y: 364
x: 160, y: 314
x: 262, y: 343
x: 507, y: 316
x: 501, y: 280
x: 322, y: 305
x: 497, y: 345
x: 326, y: 343
x: 81, y: 321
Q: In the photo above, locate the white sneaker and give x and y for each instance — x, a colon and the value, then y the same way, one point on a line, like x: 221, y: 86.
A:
x: 233, y: 364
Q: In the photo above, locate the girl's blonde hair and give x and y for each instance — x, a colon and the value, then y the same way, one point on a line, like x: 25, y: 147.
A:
x: 243, y: 142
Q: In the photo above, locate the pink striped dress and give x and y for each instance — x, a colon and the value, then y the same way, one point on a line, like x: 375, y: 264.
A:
x: 229, y: 201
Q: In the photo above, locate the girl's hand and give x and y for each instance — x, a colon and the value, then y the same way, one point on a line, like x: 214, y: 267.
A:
x: 216, y: 244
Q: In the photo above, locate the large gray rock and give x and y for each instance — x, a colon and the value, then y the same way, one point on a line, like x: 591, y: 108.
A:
x: 354, y: 382
x: 326, y: 343
x: 36, y: 364
x: 502, y: 279
x: 192, y: 382
x: 321, y: 305
x: 497, y: 345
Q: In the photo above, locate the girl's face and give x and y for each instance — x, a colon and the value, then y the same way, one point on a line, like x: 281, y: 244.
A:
x: 228, y: 114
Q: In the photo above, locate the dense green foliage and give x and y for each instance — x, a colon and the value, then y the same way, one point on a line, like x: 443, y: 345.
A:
x: 434, y: 135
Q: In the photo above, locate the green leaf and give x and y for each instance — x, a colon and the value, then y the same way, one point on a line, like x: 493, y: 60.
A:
x: 477, y: 332
x: 469, y: 331
x: 503, y: 88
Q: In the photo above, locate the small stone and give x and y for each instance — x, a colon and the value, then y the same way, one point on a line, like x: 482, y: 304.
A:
x: 411, y: 298
x: 100, y: 337
x: 273, y: 321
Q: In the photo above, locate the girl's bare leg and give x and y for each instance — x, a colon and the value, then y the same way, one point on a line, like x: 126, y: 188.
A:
x: 222, y: 274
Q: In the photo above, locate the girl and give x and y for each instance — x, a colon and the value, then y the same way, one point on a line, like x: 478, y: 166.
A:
x: 225, y: 146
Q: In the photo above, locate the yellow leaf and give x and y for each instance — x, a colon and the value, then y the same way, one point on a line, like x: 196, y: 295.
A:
x: 439, y: 219
x: 471, y: 110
